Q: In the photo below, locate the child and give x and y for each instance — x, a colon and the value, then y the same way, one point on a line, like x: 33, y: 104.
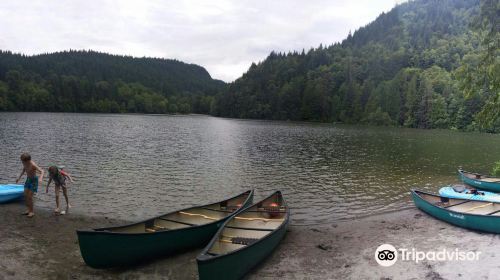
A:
x: 32, y: 181
x: 59, y: 177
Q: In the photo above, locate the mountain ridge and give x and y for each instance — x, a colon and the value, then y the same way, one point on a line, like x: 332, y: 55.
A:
x: 401, y: 69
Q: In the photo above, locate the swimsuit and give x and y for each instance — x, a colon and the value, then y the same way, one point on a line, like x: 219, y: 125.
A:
x: 31, y: 184
x: 60, y: 179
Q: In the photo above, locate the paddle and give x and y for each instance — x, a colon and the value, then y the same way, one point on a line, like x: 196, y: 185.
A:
x: 200, y: 215
x: 259, y: 219
x: 480, y: 206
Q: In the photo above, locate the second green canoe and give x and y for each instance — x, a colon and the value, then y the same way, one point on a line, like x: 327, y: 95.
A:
x: 159, y: 236
x: 245, y: 240
x: 471, y: 214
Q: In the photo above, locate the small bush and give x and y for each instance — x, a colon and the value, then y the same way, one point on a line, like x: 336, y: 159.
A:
x: 496, y: 169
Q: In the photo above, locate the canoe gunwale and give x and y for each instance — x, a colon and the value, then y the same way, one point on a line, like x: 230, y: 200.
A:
x: 105, y: 231
x: 416, y: 192
x: 206, y: 257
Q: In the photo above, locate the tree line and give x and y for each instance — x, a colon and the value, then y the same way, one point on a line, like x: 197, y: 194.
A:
x: 419, y: 65
x: 88, y: 81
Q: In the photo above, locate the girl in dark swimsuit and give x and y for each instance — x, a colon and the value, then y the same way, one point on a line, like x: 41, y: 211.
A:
x: 59, y: 177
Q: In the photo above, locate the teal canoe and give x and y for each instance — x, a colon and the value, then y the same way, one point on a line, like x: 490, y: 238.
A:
x: 466, y: 213
x: 11, y: 192
x: 479, y: 181
x: 159, y: 236
x: 463, y: 192
x: 245, y: 240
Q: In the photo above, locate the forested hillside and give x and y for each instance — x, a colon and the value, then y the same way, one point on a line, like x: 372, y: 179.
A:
x: 87, y: 81
x: 410, y: 67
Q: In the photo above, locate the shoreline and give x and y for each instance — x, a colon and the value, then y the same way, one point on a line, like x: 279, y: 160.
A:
x: 265, y: 120
x: 47, y: 247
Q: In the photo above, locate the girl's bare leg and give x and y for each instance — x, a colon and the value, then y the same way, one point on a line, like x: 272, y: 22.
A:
x: 65, y: 193
x: 57, y: 188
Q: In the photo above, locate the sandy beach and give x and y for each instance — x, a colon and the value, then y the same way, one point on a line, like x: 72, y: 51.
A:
x: 46, y: 247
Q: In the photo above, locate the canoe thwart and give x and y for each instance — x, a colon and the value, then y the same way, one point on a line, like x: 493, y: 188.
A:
x: 216, y: 210
x: 174, y: 221
x: 494, y: 212
x: 451, y: 205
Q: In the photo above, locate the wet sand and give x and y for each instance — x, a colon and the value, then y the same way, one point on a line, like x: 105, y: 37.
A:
x: 46, y: 247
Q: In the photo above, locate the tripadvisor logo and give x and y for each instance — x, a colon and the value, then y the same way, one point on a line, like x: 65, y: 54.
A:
x: 387, y: 255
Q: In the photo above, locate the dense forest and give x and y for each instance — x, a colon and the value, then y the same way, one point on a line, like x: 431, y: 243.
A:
x: 424, y: 64
x: 415, y: 66
x: 87, y: 81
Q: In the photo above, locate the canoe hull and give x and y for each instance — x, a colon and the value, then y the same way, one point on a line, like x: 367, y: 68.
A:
x: 470, y: 221
x: 234, y: 264
x: 487, y: 196
x: 10, y: 193
x: 237, y: 264
x: 104, y: 250
x: 487, y: 186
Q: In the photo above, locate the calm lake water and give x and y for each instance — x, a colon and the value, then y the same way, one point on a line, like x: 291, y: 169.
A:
x: 135, y: 166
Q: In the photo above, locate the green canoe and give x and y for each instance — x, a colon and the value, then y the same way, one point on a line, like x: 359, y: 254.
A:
x: 479, y: 181
x: 245, y: 240
x: 159, y: 236
x: 471, y: 214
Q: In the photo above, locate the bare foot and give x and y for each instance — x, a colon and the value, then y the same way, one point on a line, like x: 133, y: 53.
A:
x: 57, y: 210
x: 63, y: 212
x: 30, y: 215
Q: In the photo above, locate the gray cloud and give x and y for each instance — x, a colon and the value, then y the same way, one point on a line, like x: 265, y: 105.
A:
x: 223, y: 36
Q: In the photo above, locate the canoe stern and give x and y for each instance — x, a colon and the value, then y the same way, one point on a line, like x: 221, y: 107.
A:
x: 236, y: 264
x: 105, y: 249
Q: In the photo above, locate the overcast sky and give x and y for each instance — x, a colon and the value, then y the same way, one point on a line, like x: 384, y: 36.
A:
x: 223, y: 36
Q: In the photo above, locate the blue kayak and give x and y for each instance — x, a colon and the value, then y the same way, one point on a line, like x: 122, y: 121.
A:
x: 462, y: 192
x: 10, y: 192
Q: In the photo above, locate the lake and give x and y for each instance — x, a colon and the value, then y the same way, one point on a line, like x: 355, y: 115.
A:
x: 135, y: 166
